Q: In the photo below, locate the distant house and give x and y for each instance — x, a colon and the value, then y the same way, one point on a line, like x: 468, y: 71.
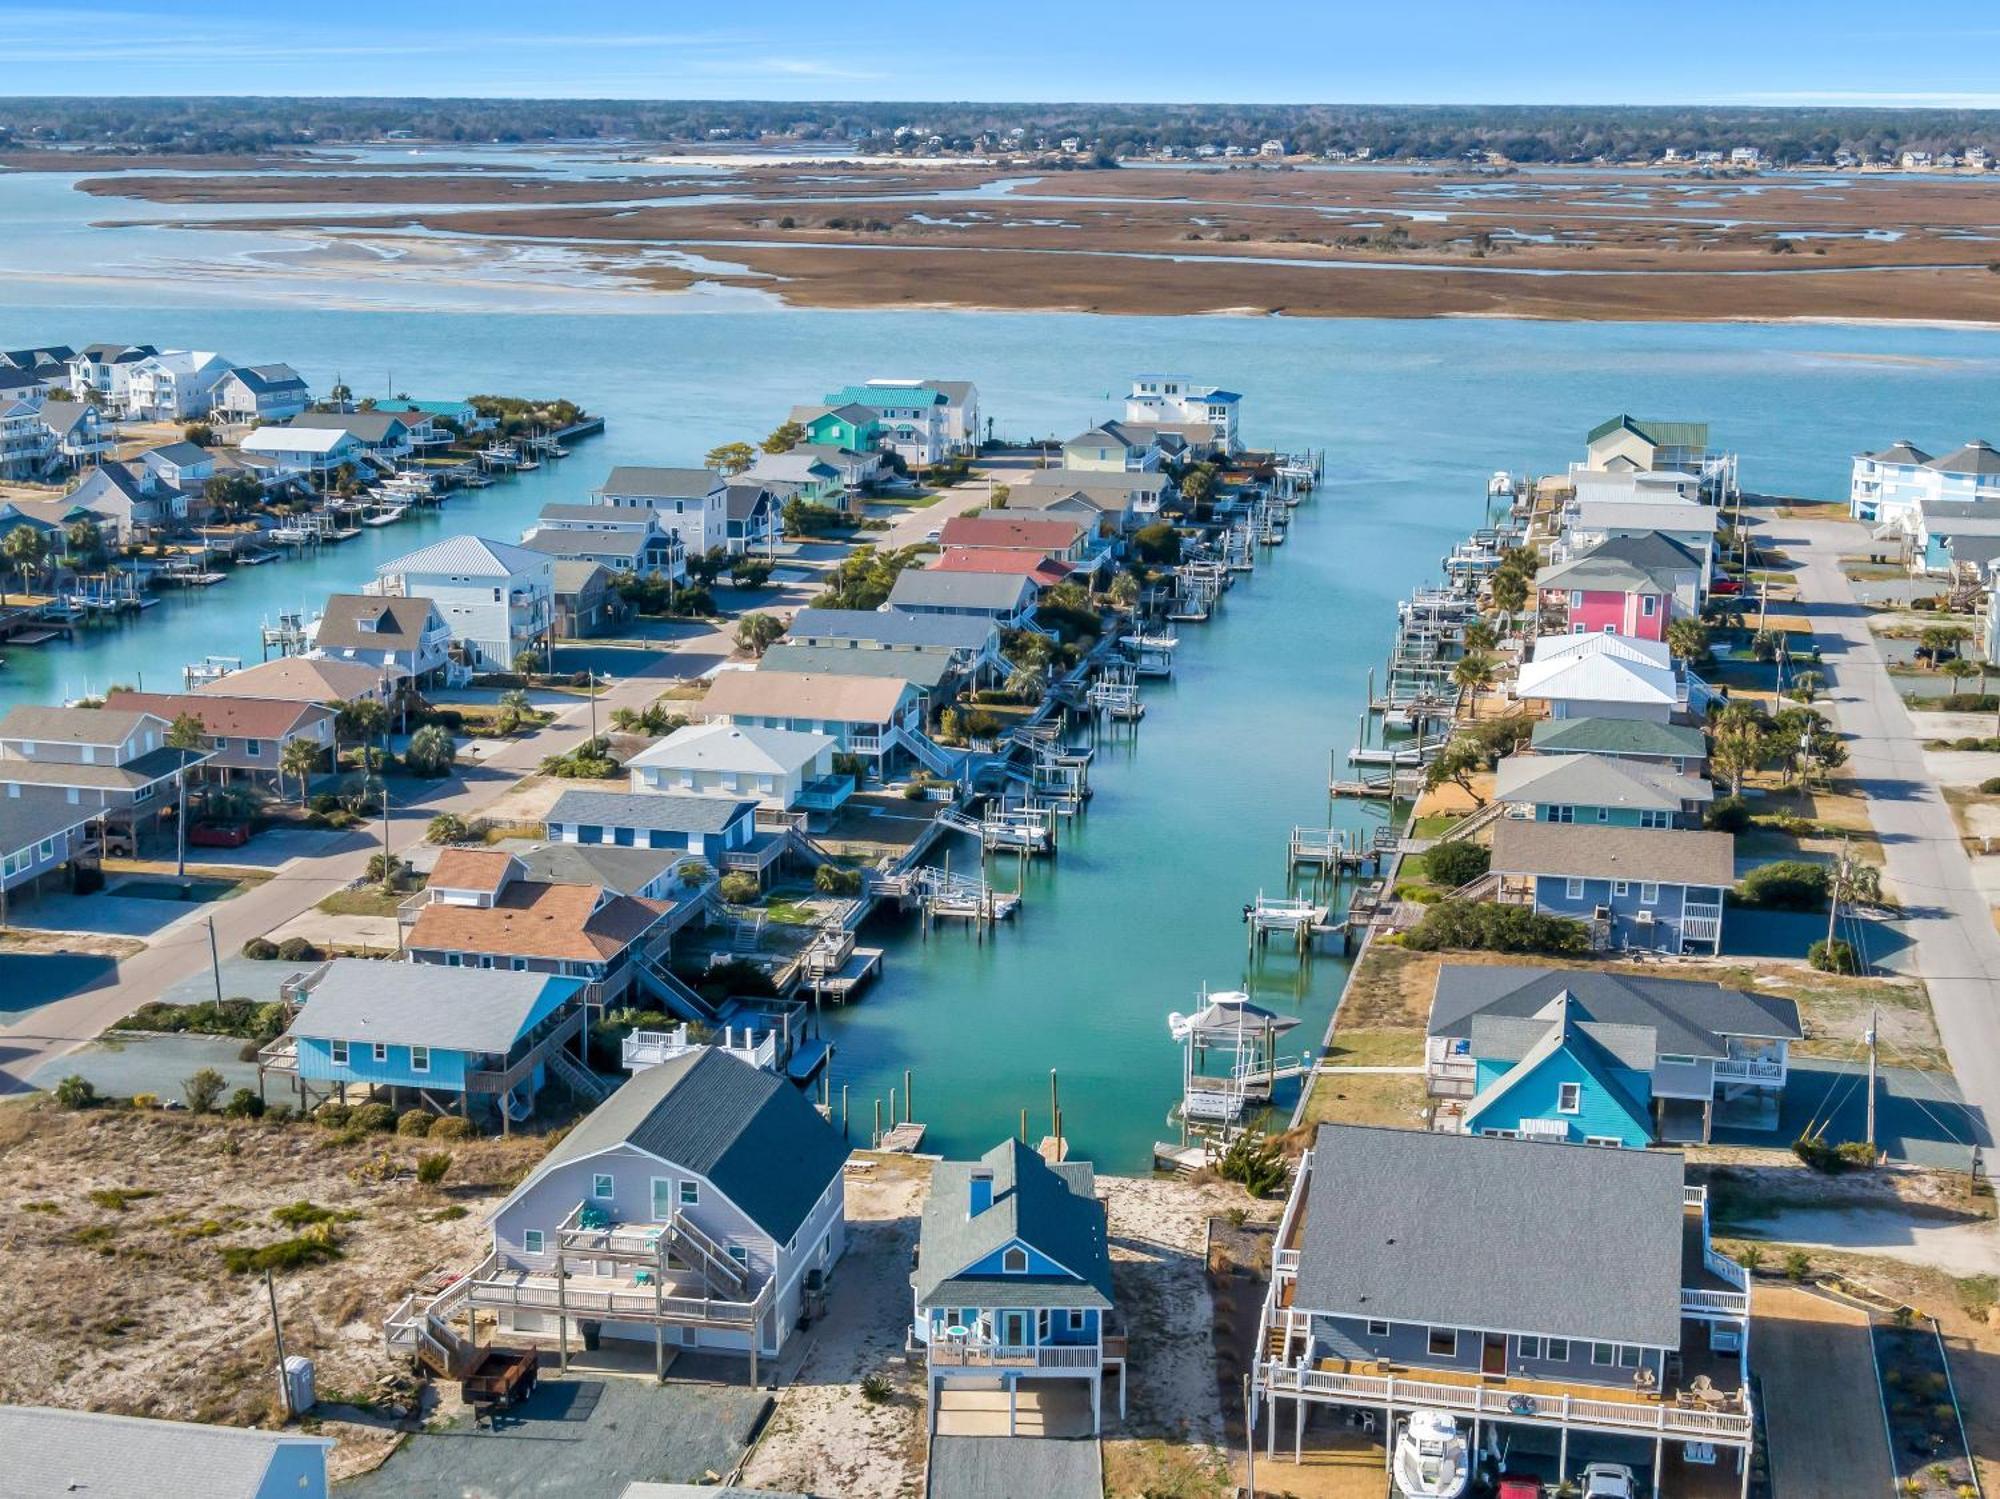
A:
x: 1000, y: 597
x: 623, y: 540
x: 1945, y: 532
x: 1629, y: 442
x: 1121, y: 503
x: 1110, y: 448
x: 81, y: 1452
x: 708, y: 1180
x: 246, y: 735
x: 1596, y: 1058
x: 800, y: 476
x: 1591, y: 523
x: 1528, y: 1318
x: 586, y: 600
x: 498, y: 599
x: 866, y: 716
x: 1658, y: 890
x: 1171, y: 399
x: 913, y: 419
x: 1892, y: 487
x: 782, y: 769
x: 469, y: 1043
x: 1013, y: 1280
x: 384, y: 434
x: 41, y: 830
x: 402, y: 635
x: 1678, y: 746
x: 708, y: 827
x: 261, y: 393
x: 1604, y: 594
x: 314, y: 452
x: 107, y: 370
x: 175, y: 385
x: 78, y: 432
x: 1635, y: 486
x: 858, y: 469
x: 311, y: 679
x: 179, y: 466
x: 1601, y: 676
x: 690, y: 502
x: 1600, y: 790
x: 752, y: 509
x: 964, y: 639
x: 848, y: 425
x: 27, y: 447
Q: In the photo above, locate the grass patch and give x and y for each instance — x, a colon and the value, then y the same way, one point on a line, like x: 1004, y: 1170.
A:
x: 1358, y: 1046
x: 248, y: 1019
x: 1395, y: 1099
x: 791, y: 913
x: 1390, y: 987
x: 1862, y: 571
x: 691, y: 691
x: 304, y: 1214
x: 1164, y: 1470
x: 369, y: 900
x: 449, y: 1214
x: 317, y: 1246
x: 117, y: 1199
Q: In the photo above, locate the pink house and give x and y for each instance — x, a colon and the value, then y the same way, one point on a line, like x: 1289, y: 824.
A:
x: 1608, y: 595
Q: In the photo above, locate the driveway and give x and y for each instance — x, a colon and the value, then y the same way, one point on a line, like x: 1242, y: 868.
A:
x: 1946, y: 918
x: 577, y: 1439
x: 1014, y: 1467
x: 910, y: 527
x: 1822, y: 1407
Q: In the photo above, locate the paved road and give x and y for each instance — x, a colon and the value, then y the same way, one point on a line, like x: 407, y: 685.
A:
x: 182, y: 949
x: 1957, y: 949
x: 914, y: 526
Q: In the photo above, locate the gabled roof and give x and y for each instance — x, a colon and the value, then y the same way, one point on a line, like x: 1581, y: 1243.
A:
x: 623, y: 871
x: 180, y: 454
x: 372, y: 427
x: 100, y: 727
x: 467, y: 556
x: 1109, y: 434
x: 929, y: 586
x: 1592, y: 572
x: 832, y: 696
x: 627, y: 546
x: 224, y: 717
x: 925, y: 669
x: 296, y: 440
x: 743, y: 748
x: 958, y: 632
x: 791, y: 468
x: 1649, y: 515
x: 574, y: 575
x: 1618, y: 736
x: 603, y: 517
x: 652, y: 812
x: 263, y: 379
x: 1011, y: 533
x: 1596, y: 1050
x: 1656, y: 553
x: 1042, y: 571
x: 1667, y: 856
x: 748, y: 1131
x: 1947, y: 518
x: 428, y: 1004
x: 1687, y: 1017
x: 1052, y: 1209
x: 304, y: 679
x: 1597, y: 781
x: 394, y: 624
x: 1661, y: 434
x: 483, y: 869
x: 63, y: 417
x: 660, y: 483
x: 82, y: 1452
x: 1590, y: 1239
x: 34, y: 816
x: 742, y: 499
x: 532, y: 919
x: 1597, y: 678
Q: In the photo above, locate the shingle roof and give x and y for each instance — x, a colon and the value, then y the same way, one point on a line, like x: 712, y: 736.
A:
x: 664, y: 814
x: 1009, y: 1467
x: 484, y: 869
x: 531, y: 919
x: 1618, y: 736
x: 660, y: 483
x: 739, y: 747
x: 1686, y: 1016
x: 603, y: 517
x: 467, y: 556
x: 396, y: 624
x: 303, y: 679
x: 1044, y: 572
x: 1597, y: 781
x: 428, y: 1004
x: 1972, y: 458
x: 33, y: 816
x: 927, y: 669
x: 1590, y: 1239
x: 61, y: 417
x: 1652, y: 515
x: 1902, y: 450
x: 180, y: 454
x: 928, y: 586
x: 133, y: 774
x: 96, y: 726
x: 371, y: 427
x: 1649, y: 550
x: 224, y: 717
x: 1037, y: 534
x: 1594, y: 571
x: 1052, y: 1209
x: 625, y: 871
x: 893, y: 627
x: 749, y: 1131
x: 52, y: 1452
x: 574, y: 545
x: 829, y: 696
x: 1666, y: 856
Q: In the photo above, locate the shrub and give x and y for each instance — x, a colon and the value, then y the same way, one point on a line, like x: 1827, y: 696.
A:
x: 201, y: 1091
x: 1454, y: 864
x: 1991, y: 785
x: 740, y: 888
x: 1729, y: 814
x: 831, y: 879
x: 315, y: 1246
x: 1837, y: 956
x: 1788, y: 885
x: 260, y: 949
x: 145, y: 1100
x: 1832, y: 1160
x: 301, y: 1214
x: 1256, y: 1163
x: 415, y: 1123
x: 1798, y: 1265
x: 447, y: 827
x: 244, y: 1104
x: 875, y: 1389
x: 75, y: 1092
x: 1495, y: 928
x: 298, y: 950
x: 451, y: 1127
x: 375, y: 1116
x: 333, y: 1114
x: 432, y: 1166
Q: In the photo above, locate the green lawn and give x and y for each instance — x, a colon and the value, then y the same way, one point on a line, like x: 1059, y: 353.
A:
x: 369, y: 900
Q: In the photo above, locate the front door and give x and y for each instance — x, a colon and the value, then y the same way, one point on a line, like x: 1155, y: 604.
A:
x: 1493, y: 1354
x: 1013, y: 1329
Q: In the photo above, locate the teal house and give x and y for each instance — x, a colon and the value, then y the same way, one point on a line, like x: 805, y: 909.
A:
x: 849, y: 425
x: 1591, y: 1058
x: 1601, y: 790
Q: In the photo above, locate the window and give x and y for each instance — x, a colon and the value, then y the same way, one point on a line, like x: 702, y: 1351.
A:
x: 253, y: 747
x: 602, y: 1186
x: 1558, y: 1350
x: 690, y: 1193
x: 1621, y: 887
x: 1573, y: 889
x: 1443, y: 1342
x: 420, y: 1059
x: 1628, y: 1356
x: 1649, y: 604
x: 1377, y: 1329
x: 1654, y: 817
x: 1528, y: 1347
x: 381, y: 1051
x: 1014, y: 1261
x: 1603, y: 1355
x: 531, y: 1241
x: 1649, y: 893
x: 1561, y: 813
x: 1569, y: 1098
x: 663, y: 1198
x: 1076, y: 1319
x: 1608, y: 1142
x: 1576, y: 598
x: 1604, y: 814
x: 739, y: 1254
x: 337, y: 1053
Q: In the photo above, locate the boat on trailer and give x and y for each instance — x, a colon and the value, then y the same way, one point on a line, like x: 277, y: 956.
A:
x: 1432, y: 1460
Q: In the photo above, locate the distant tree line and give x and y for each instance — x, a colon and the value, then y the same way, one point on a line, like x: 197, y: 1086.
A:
x: 1525, y: 133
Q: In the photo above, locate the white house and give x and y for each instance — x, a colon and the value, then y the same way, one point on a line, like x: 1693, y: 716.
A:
x: 1891, y: 488
x: 304, y: 450
x: 499, y: 599
x: 1169, y: 399
x: 106, y: 369
x: 261, y: 393
x: 1111, y: 448
x: 1591, y: 523
x: 175, y: 385
x: 1601, y: 676
x: 783, y: 769
x: 691, y: 502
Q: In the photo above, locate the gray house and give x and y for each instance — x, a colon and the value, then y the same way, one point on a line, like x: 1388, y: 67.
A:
x: 1004, y: 598
x: 1600, y: 790
x: 1678, y: 746
x: 700, y: 1206
x: 1516, y: 1287
x: 962, y: 638
x: 1656, y: 889
x: 81, y: 1452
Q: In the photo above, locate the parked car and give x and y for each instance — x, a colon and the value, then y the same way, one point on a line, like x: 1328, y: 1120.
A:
x: 219, y: 834
x: 1519, y: 1486
x: 1723, y: 585
x: 1609, y: 1481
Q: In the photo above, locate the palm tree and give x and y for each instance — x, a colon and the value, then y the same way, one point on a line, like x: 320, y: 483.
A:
x: 25, y: 547
x: 431, y: 751
x: 1025, y: 683
x: 300, y: 758
x: 1687, y: 638
x: 360, y: 719
x: 1474, y: 673
x: 1480, y: 638
x: 515, y: 705
x: 1124, y: 592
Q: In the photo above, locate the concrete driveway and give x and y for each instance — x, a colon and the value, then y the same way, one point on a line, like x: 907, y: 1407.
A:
x: 909, y: 527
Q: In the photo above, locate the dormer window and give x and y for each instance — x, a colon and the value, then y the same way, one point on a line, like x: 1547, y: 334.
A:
x: 1014, y: 1261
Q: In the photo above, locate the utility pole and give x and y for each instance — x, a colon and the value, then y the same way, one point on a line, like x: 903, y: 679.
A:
x: 180, y: 826
x: 1839, y: 884
x: 591, y: 689
x: 214, y: 960
x: 1874, y: 1017
x: 278, y: 1333
x: 1250, y: 1437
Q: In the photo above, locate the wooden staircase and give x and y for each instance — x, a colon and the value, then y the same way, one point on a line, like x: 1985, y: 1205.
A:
x: 699, y: 1250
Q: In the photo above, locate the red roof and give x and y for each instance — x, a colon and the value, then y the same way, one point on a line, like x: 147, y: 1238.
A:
x: 1044, y: 572
x: 223, y: 717
x: 1039, y: 535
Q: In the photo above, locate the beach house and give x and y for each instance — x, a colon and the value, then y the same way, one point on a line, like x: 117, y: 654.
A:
x: 246, y: 736
x: 107, y: 370
x: 1600, y: 790
x: 1601, y: 676
x: 1005, y: 598
x: 692, y: 503
x: 1523, y: 1324
x: 261, y: 393
x: 498, y: 599
x: 1654, y: 889
x: 710, y: 828
x: 965, y: 640
x: 1602, y: 593
x: 397, y: 634
x: 174, y: 385
x: 1889, y: 487
x: 914, y: 419
x: 307, y: 452
x: 1119, y: 504
x: 751, y: 510
x: 625, y: 540
x: 116, y: 766
x: 1624, y: 444
x: 1595, y: 1058
x: 1111, y: 448
x: 78, y: 433
x: 874, y: 718
x: 848, y: 424
x: 52, y: 1451
x: 386, y: 435
x: 1013, y: 1284
x: 780, y: 769
x: 1588, y: 524
x: 1173, y: 400
x: 1678, y: 746
x: 41, y: 831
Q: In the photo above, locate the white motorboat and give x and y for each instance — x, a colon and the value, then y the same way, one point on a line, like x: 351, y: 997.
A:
x: 1432, y: 1460
x: 1500, y: 486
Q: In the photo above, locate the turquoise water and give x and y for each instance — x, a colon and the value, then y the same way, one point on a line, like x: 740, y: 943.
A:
x: 1190, y: 818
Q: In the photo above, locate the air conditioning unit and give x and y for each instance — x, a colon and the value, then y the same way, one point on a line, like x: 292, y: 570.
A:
x: 1644, y: 918
x: 1603, y: 913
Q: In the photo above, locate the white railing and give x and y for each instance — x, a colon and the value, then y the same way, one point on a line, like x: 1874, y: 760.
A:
x: 1285, y: 1261
x: 1714, y: 1303
x: 1724, y: 1268
x: 970, y: 1355
x: 1701, y: 923
x: 1661, y: 1416
x: 1750, y: 1069
x: 541, y: 1293
x: 1301, y: 1181
x: 864, y: 744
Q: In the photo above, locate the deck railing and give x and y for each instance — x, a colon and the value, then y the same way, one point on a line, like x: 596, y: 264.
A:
x: 1697, y: 1303
x: 1750, y: 1070
x: 946, y: 1353
x: 1701, y: 923
x: 637, y: 1303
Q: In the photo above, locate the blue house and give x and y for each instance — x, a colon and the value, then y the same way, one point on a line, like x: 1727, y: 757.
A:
x: 1600, y: 790
x: 1596, y: 1058
x: 1013, y: 1281
x: 710, y: 826
x: 450, y: 1039
x: 1659, y: 890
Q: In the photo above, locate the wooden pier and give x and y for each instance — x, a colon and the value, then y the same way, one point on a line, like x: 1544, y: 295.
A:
x: 1296, y: 921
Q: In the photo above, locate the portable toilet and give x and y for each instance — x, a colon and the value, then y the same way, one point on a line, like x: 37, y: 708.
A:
x: 296, y: 1384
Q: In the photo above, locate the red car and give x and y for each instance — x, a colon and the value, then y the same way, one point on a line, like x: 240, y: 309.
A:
x: 1725, y: 585
x: 1519, y: 1486
x: 219, y: 834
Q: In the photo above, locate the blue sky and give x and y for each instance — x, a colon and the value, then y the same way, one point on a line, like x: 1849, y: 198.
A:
x: 1443, y: 51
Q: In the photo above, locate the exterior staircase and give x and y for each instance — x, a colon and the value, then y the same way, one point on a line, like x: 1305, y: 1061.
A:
x: 576, y: 1077
x: 1486, y: 887
x: 675, y: 995
x: 707, y: 1256
x: 933, y: 756
x: 1466, y: 826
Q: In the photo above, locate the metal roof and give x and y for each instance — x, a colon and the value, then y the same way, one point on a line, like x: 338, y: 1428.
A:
x: 927, y: 669
x: 737, y: 747
x: 467, y: 556
x: 1510, y: 1236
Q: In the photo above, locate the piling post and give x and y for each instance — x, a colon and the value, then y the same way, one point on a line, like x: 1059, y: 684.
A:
x: 878, y: 1125
x: 843, y: 1111
x: 908, y: 1109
